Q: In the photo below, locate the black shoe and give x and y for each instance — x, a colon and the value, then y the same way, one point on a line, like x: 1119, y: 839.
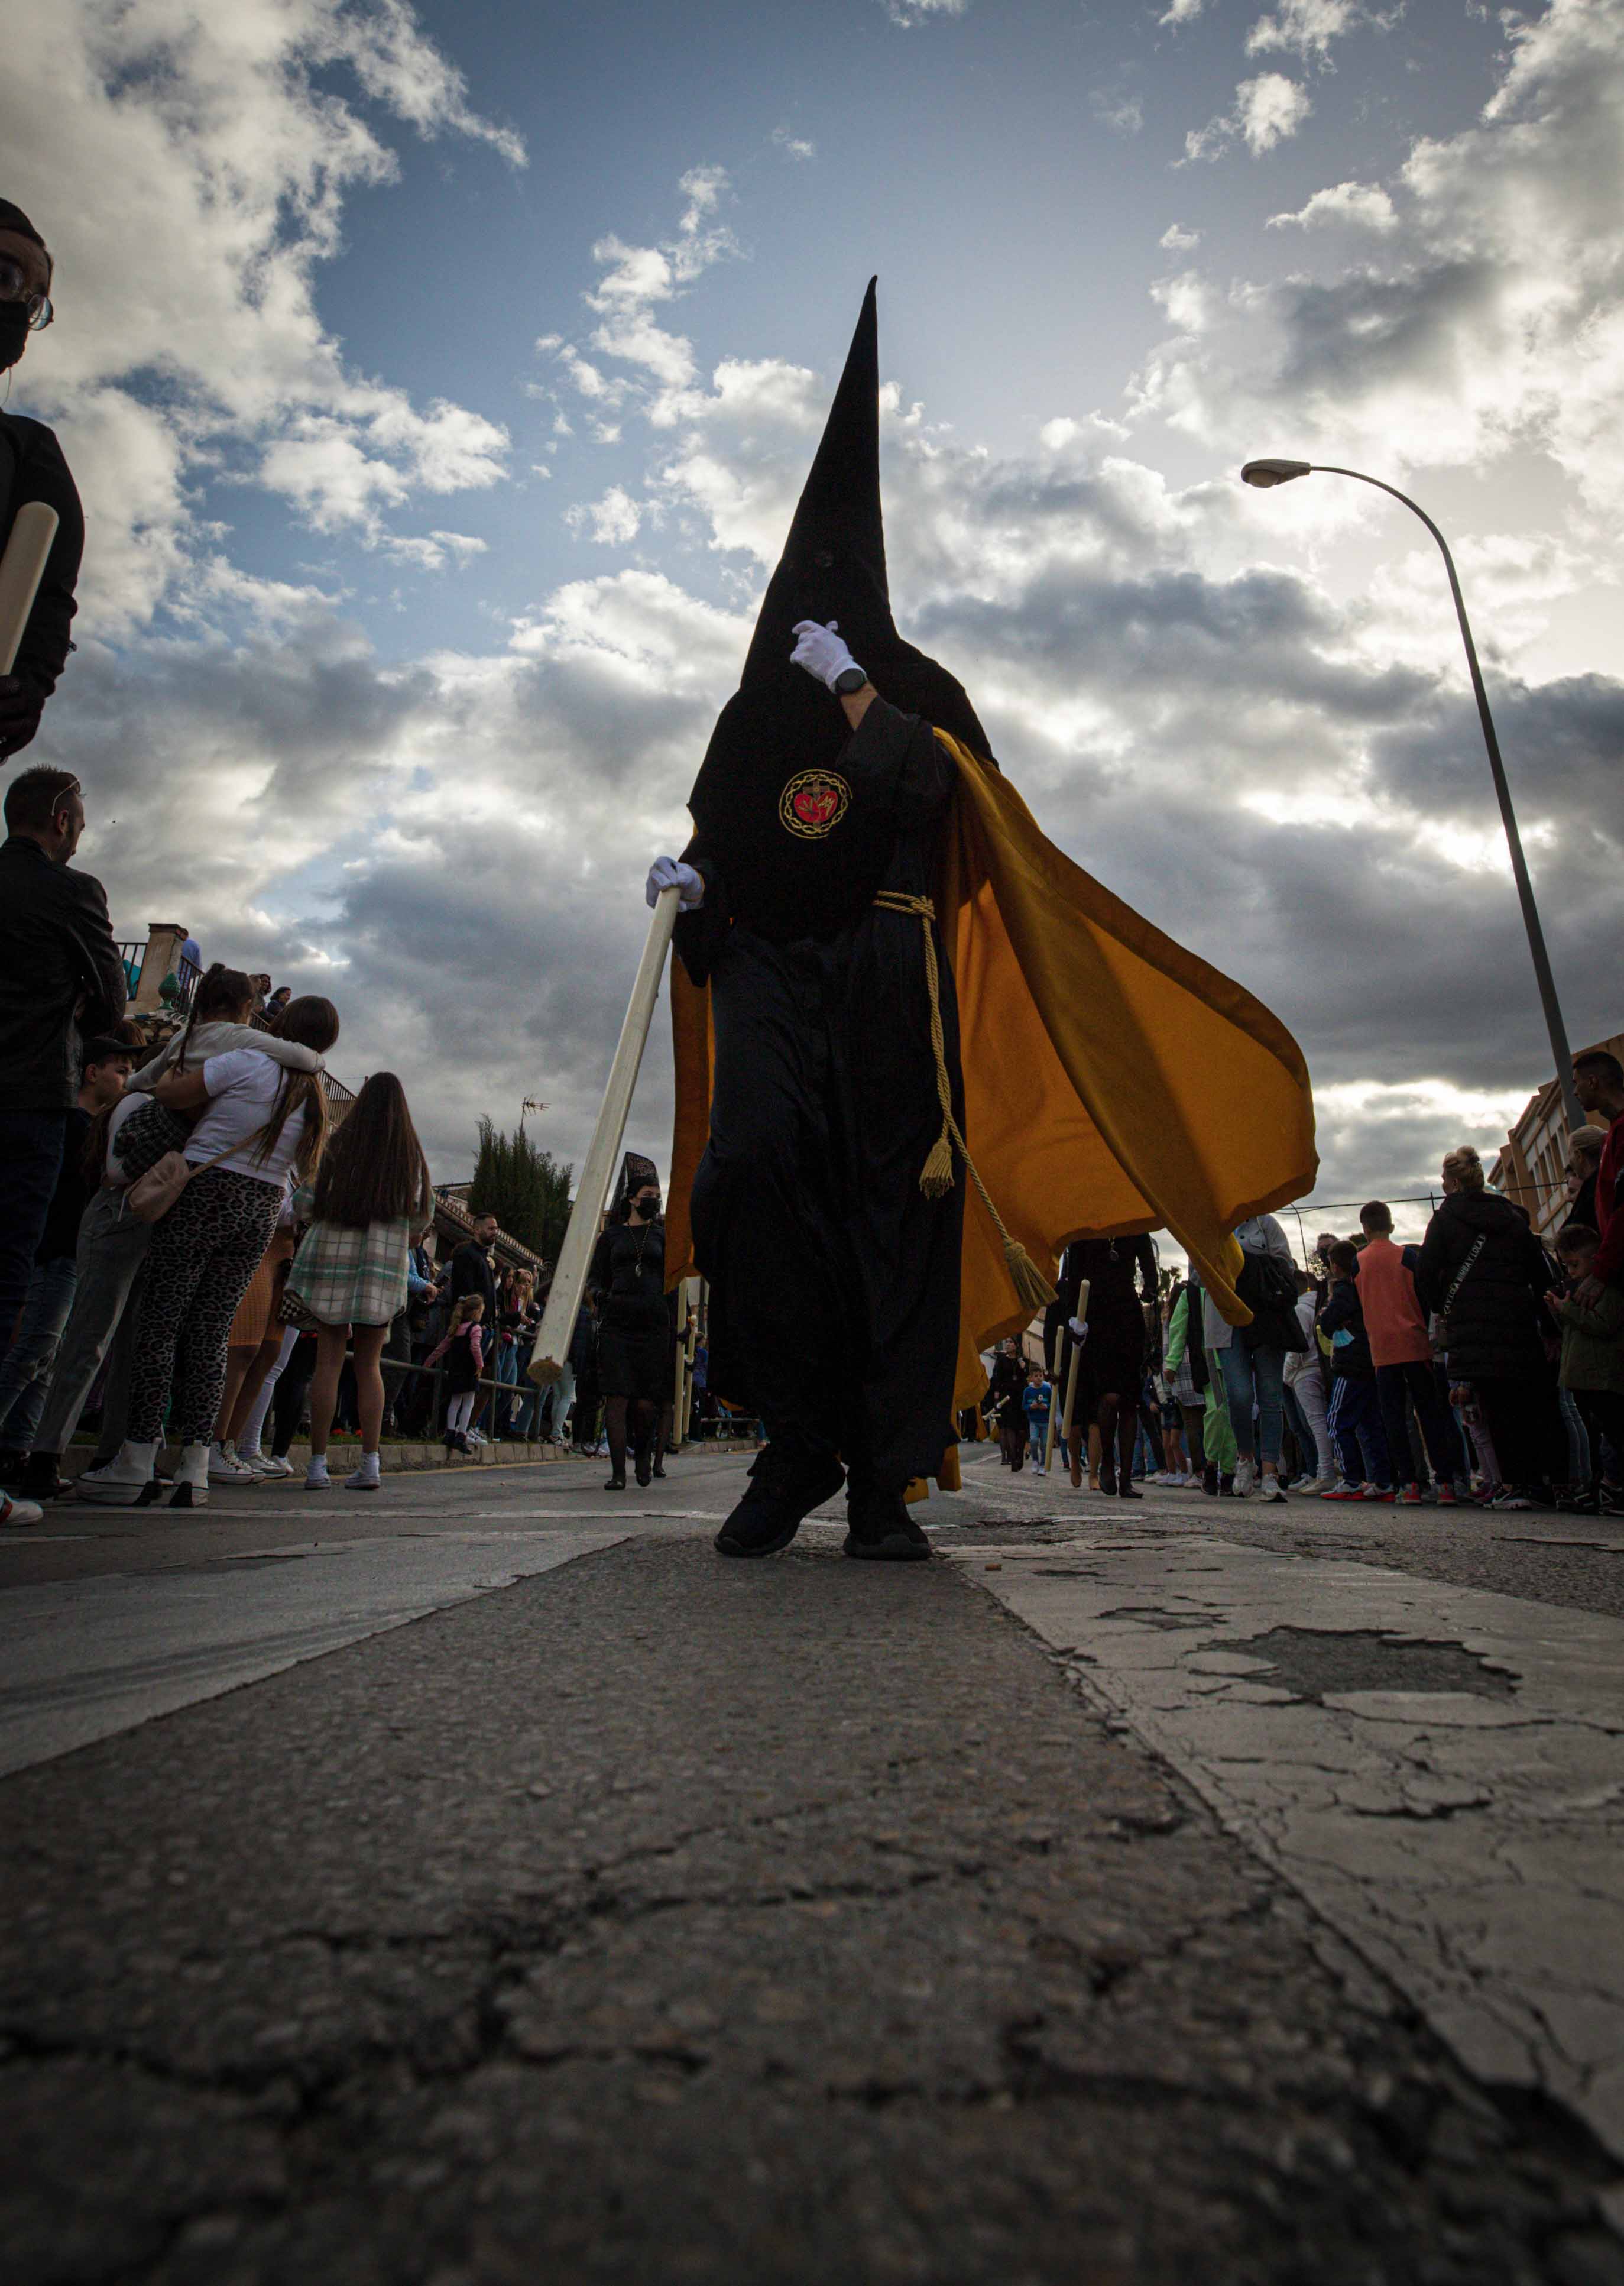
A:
x: 659, y: 1468
x: 614, y: 1483
x: 786, y: 1486
x: 1107, y: 1476
x: 42, y: 1480
x: 12, y: 1463
x: 1210, y: 1480
x: 1226, y: 1485
x: 1129, y: 1490
x: 878, y: 1526
x: 643, y: 1467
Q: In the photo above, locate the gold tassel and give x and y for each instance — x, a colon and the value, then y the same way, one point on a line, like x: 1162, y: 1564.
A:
x: 1032, y: 1288
x: 936, y: 1175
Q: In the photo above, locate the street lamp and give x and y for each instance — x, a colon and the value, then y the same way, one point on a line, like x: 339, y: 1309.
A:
x: 1265, y: 475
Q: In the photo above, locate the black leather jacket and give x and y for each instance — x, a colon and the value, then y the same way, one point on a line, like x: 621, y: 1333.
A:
x: 59, y: 971
x: 32, y: 468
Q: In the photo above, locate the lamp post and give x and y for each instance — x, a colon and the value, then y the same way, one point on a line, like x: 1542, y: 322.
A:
x: 1266, y: 474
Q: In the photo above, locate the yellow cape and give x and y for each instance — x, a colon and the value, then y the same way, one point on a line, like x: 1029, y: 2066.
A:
x: 1113, y: 1081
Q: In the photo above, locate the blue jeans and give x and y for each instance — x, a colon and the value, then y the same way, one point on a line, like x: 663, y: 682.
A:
x: 1255, y: 1374
x: 30, y: 1161
x: 25, y: 1370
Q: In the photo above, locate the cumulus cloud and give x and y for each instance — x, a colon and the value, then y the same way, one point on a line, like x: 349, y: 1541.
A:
x: 794, y: 147
x: 1363, y: 206
x: 1181, y: 12
x: 1177, y: 239
x: 1267, y: 110
x: 1493, y: 322
x: 243, y: 133
x: 1306, y: 27
x: 614, y: 520
x: 1126, y: 114
x: 909, y: 14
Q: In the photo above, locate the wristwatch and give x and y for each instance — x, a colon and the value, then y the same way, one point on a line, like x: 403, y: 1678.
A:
x: 849, y: 679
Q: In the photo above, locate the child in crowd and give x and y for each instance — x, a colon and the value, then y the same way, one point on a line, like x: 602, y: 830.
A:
x: 1592, y: 1363
x: 1353, y: 1417
x: 372, y: 1202
x: 1035, y: 1405
x: 1402, y: 1354
x: 463, y: 1349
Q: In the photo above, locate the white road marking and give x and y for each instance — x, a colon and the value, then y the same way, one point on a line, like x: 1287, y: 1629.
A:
x: 85, y: 1659
x: 1468, y: 1844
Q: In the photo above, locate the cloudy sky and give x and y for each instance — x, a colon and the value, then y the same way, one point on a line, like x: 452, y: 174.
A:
x: 440, y: 382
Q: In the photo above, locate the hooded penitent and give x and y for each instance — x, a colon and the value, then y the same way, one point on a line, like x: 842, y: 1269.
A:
x: 1113, y: 1081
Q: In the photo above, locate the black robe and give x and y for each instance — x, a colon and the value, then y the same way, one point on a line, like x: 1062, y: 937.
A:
x: 833, y: 1280
x: 1114, y: 1354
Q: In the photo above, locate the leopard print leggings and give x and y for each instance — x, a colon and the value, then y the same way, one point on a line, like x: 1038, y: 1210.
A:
x: 201, y: 1258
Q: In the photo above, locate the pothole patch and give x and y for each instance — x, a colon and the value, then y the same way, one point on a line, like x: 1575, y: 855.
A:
x: 1316, y: 1663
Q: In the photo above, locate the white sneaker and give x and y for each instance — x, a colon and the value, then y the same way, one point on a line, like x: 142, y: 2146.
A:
x: 224, y: 1467
x: 126, y: 1481
x: 1246, y: 1477
x: 192, y: 1472
x: 272, y: 1464
x: 254, y: 1461
x: 365, y: 1479
x: 20, y: 1512
x: 316, y: 1477
x: 1342, y: 1490
x: 1272, y: 1489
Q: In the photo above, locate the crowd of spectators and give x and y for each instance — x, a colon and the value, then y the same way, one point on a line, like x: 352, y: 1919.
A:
x: 1480, y: 1366
x: 184, y: 1248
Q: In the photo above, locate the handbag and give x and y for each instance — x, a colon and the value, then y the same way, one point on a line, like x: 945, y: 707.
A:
x: 151, y: 1195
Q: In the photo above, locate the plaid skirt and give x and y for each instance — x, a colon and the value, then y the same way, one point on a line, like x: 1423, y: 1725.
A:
x: 345, y: 1277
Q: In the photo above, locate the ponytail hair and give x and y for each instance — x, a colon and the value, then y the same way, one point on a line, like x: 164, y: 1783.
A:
x: 219, y: 992
x: 314, y: 1023
x: 469, y: 1305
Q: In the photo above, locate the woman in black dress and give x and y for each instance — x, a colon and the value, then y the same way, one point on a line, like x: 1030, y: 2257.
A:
x: 1113, y: 1366
x: 635, y: 1330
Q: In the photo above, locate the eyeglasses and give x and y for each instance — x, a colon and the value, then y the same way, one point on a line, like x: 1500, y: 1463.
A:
x: 14, y: 287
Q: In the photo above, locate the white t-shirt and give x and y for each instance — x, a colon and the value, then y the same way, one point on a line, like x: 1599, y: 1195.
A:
x: 113, y: 1169
x: 243, y: 1086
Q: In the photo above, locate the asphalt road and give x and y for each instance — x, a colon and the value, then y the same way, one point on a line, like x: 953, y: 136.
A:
x: 483, y: 1881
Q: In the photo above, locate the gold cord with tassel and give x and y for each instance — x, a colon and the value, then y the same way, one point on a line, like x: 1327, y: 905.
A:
x: 936, y: 1176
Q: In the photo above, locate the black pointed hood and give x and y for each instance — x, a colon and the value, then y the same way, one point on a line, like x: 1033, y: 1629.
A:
x: 780, y: 724
x: 834, y: 564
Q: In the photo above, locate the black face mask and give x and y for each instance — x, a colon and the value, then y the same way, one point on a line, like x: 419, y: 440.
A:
x: 648, y: 1207
x: 13, y: 332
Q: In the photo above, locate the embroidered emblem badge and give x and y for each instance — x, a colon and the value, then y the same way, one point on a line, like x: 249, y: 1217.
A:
x: 813, y: 803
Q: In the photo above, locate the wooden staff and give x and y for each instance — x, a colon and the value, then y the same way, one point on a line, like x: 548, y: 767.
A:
x: 22, y: 567
x: 680, y: 1380
x: 552, y: 1348
x: 1071, y: 1389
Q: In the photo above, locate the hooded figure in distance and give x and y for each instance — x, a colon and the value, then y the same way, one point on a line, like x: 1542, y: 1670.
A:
x: 862, y: 885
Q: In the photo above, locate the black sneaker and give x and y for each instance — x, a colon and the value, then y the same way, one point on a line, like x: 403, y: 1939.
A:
x: 41, y: 1480
x: 785, y: 1487
x: 1226, y: 1485
x: 1210, y: 1480
x: 879, y: 1526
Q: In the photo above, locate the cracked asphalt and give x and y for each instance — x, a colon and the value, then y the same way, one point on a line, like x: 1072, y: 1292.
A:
x: 650, y: 1917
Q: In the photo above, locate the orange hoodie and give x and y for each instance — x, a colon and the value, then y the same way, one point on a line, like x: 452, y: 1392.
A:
x: 1395, y: 1319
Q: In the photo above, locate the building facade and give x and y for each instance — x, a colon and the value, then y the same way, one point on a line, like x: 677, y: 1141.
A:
x: 1531, y: 1167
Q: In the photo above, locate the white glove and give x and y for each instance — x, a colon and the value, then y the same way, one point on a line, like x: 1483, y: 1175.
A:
x: 821, y: 651
x: 671, y: 873
x: 1079, y: 1327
